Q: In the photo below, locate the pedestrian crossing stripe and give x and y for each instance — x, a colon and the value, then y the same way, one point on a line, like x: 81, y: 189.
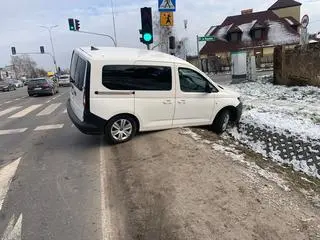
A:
x: 49, y: 109
x: 26, y: 111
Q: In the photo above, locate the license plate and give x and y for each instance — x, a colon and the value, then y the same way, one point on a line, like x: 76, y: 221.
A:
x: 38, y: 88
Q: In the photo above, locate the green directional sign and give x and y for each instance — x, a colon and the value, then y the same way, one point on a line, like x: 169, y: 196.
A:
x: 207, y: 39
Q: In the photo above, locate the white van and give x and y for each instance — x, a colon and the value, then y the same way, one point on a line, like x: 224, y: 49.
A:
x: 120, y: 91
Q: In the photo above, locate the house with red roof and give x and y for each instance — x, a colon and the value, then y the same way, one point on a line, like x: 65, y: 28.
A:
x: 257, y: 32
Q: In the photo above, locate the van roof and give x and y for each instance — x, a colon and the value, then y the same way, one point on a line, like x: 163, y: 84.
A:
x: 127, y: 54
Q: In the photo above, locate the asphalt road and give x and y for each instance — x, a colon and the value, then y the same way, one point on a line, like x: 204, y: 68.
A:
x: 49, y: 171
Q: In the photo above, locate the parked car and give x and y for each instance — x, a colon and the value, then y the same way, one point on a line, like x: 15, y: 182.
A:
x: 7, y: 86
x: 64, y: 80
x: 120, y: 91
x: 42, y: 86
x: 17, y: 83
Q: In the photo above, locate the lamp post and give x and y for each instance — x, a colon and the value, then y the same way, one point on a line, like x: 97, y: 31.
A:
x: 53, y: 53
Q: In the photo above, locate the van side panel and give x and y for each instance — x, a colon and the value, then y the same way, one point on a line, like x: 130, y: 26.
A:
x: 106, y: 103
x: 155, y: 108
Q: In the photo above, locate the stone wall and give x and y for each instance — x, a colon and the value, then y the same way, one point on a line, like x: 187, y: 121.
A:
x: 299, y: 66
x: 302, y: 154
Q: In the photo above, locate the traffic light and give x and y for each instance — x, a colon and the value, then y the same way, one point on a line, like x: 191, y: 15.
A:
x: 172, y: 42
x: 71, y: 24
x: 77, y: 22
x: 146, y: 25
x: 13, y: 50
x: 42, y: 49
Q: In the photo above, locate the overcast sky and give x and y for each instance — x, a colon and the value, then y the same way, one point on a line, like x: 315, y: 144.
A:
x: 20, y: 22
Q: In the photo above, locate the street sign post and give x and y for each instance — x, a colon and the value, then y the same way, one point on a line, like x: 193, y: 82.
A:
x: 304, y: 36
x: 305, y: 21
x: 166, y: 19
x: 167, y: 5
x: 207, y: 39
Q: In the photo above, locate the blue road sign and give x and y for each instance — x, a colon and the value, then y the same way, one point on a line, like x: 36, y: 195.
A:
x: 167, y: 5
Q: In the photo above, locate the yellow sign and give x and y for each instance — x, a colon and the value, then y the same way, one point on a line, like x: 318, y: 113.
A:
x: 166, y: 19
x: 50, y: 74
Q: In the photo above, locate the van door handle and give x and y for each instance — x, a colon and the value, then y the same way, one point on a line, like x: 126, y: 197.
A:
x: 182, y: 101
x: 167, y: 102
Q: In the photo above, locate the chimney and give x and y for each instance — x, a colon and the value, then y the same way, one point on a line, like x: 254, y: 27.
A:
x: 247, y: 11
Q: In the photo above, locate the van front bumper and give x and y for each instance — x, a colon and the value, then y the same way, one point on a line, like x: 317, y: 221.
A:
x: 85, y: 127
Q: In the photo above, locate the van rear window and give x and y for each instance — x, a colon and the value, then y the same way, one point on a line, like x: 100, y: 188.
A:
x: 129, y: 77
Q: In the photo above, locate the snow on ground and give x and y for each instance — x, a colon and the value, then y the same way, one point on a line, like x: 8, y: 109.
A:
x: 286, y: 109
x: 289, y: 112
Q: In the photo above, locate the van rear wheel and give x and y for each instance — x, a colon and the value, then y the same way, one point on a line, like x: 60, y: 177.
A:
x: 120, y: 129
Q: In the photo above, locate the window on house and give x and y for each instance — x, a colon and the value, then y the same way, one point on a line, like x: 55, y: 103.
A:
x: 257, y: 34
x: 234, y: 37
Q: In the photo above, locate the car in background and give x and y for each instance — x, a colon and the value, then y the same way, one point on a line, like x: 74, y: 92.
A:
x: 17, y: 83
x: 64, y: 80
x: 6, y: 86
x: 26, y: 82
x: 42, y: 86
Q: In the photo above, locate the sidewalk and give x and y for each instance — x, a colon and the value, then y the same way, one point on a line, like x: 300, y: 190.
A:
x: 178, y: 185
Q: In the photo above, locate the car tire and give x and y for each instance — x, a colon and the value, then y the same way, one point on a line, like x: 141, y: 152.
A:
x: 120, y: 129
x: 30, y: 95
x: 221, y: 122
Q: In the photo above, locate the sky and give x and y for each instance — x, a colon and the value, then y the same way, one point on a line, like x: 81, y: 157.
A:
x: 20, y: 22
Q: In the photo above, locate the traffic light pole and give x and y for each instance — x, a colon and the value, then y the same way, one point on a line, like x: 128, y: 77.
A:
x: 100, y: 34
x: 50, y: 33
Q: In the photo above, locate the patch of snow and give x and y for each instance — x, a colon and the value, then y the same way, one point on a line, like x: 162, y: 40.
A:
x: 289, y: 21
x: 245, y: 28
x: 222, y: 32
x: 278, y: 34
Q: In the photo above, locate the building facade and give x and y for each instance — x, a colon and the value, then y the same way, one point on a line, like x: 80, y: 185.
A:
x: 254, y: 32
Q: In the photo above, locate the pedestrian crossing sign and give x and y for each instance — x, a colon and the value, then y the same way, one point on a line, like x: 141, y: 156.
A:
x: 167, y: 5
x: 166, y: 19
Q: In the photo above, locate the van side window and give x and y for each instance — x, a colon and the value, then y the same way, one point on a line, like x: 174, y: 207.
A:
x: 73, y: 66
x: 80, y: 73
x: 129, y: 77
x: 191, y: 81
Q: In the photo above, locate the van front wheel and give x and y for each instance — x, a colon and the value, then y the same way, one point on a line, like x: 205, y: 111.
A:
x: 120, y: 129
x: 221, y: 122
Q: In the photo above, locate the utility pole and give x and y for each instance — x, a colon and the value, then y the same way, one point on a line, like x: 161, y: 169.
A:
x: 53, y: 53
x: 114, y: 24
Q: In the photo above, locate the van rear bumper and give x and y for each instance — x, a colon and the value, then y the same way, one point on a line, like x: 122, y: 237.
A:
x: 84, y: 127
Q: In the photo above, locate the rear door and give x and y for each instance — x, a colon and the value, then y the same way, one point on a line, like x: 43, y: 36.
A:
x: 154, y: 94
x: 77, y: 76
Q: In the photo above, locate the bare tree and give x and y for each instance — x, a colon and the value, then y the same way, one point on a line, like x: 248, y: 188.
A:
x: 161, y: 33
x: 24, y: 66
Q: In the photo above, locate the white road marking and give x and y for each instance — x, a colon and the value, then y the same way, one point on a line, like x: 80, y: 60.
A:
x: 8, y: 102
x: 26, y: 111
x: 13, y: 231
x: 104, y: 200
x: 13, y: 131
x: 17, y: 99
x: 65, y: 111
x: 48, y: 110
x: 9, y: 110
x: 6, y: 175
x: 48, y: 127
